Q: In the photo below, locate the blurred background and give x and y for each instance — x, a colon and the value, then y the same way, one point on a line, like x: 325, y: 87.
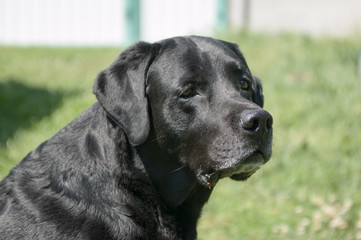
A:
x: 307, y: 54
x: 114, y: 22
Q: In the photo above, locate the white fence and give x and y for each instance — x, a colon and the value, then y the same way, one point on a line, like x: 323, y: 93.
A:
x: 166, y: 18
x: 61, y: 22
x: 102, y: 22
x: 95, y: 22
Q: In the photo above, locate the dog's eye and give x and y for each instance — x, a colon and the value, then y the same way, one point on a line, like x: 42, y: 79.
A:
x: 244, y: 84
x: 188, y: 93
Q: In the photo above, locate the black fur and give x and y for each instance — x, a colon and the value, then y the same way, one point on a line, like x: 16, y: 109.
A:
x: 171, y: 120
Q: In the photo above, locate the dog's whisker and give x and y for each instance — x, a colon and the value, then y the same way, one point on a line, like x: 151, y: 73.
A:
x: 157, y: 138
x: 176, y: 170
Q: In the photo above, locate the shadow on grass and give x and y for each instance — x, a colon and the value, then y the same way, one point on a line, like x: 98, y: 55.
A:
x: 21, y: 106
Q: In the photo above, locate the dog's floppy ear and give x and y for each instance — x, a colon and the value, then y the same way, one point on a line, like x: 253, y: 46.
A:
x: 257, y: 96
x: 120, y: 89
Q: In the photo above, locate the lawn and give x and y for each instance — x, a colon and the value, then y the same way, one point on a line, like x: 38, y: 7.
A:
x: 311, y: 188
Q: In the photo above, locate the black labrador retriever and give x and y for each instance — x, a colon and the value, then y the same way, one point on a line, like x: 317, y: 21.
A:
x: 172, y: 118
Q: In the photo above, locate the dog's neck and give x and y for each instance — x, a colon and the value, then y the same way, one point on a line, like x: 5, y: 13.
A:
x: 177, y: 185
x: 174, y: 182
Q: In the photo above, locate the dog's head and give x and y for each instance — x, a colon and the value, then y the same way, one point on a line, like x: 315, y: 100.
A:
x: 198, y: 98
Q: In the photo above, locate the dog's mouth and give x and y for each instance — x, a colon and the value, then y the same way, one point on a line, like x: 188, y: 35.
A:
x: 248, y: 167
x: 245, y: 168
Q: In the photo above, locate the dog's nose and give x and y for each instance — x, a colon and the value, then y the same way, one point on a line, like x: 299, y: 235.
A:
x: 257, y: 121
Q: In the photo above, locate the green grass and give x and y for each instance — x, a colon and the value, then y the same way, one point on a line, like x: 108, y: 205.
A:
x: 311, y: 187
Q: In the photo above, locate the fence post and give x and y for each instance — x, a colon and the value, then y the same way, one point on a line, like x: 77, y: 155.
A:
x: 222, y: 15
x: 132, y: 21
